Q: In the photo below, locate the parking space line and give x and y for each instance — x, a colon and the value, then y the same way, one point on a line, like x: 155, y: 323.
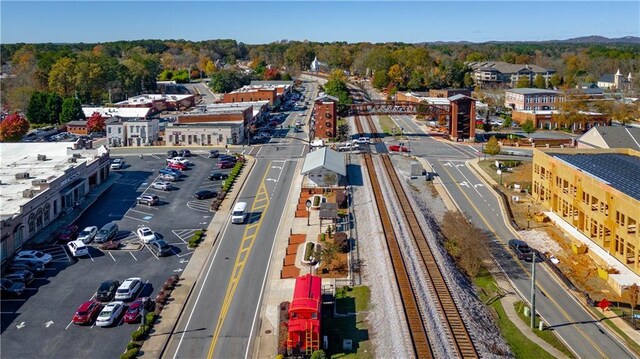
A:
x: 137, y: 219
x: 65, y: 252
x: 186, y: 254
x: 149, y: 249
x: 90, y: 257
x: 112, y: 256
x: 134, y: 210
x: 134, y: 257
x: 14, y: 300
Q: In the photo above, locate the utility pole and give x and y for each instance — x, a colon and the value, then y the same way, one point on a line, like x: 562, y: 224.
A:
x: 533, y: 290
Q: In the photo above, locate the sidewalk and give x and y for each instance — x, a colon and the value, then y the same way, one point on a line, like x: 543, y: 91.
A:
x: 51, y: 230
x: 160, y: 336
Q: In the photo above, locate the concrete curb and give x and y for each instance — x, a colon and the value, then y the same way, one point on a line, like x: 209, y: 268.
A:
x: 156, y: 345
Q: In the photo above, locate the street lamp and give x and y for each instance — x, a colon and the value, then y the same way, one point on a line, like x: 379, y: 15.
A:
x: 308, y: 204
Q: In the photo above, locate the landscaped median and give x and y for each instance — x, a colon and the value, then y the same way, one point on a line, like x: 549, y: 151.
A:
x: 228, y: 183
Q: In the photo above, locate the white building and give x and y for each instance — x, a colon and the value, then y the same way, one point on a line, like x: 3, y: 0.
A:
x: 132, y: 133
x: 321, y: 162
x: 41, y: 182
x: 120, y: 112
x: 615, y: 81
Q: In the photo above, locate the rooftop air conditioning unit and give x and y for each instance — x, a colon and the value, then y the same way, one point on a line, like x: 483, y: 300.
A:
x: 72, y: 160
x: 42, y: 157
x: 28, y: 193
x: 77, y: 155
x: 22, y: 175
x: 38, y: 182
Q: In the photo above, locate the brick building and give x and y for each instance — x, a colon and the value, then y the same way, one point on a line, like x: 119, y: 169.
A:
x: 462, y: 117
x: 532, y: 99
x: 248, y: 94
x: 325, y: 109
x: 548, y: 119
x: 211, y: 126
x: 446, y: 93
x: 77, y: 127
x: 596, y: 192
x: 498, y: 73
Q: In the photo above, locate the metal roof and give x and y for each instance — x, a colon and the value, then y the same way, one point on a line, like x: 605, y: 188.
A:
x: 326, y: 158
x: 619, y: 171
x: 615, y: 136
x: 532, y: 91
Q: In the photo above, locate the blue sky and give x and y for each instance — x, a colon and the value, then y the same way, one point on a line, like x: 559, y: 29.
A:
x: 264, y: 21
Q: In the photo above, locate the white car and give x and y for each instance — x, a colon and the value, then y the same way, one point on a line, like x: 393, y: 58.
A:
x: 182, y: 160
x: 78, y: 248
x: 117, y: 164
x: 87, y: 234
x: 161, y: 185
x: 33, y: 256
x: 365, y: 140
x: 109, y: 314
x: 129, y: 289
x: 145, y: 234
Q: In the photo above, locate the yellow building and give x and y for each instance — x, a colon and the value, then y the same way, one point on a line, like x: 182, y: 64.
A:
x: 596, y: 191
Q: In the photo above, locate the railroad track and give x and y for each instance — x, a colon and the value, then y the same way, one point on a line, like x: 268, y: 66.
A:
x: 457, y: 332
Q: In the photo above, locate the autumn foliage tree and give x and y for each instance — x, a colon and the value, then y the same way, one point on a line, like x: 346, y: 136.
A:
x: 95, y: 123
x: 13, y: 127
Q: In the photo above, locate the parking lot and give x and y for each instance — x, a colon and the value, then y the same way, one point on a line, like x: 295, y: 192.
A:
x: 38, y: 324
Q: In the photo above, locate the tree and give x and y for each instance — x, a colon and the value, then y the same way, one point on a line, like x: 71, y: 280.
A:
x: 62, y: 77
x: 13, y: 127
x: 539, y: 82
x: 54, y: 108
x: 528, y: 126
x: 380, y: 79
x: 71, y: 110
x: 555, y: 80
x: 96, y: 123
x: 330, y: 179
x: 396, y: 75
x: 327, y: 253
x: 343, y: 131
x: 37, y: 108
x: 492, y: 147
x: 224, y: 81
x: 523, y: 81
x: 633, y: 296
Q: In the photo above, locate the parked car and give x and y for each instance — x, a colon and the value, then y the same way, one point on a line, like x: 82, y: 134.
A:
x: 214, y: 154
x: 23, y: 276
x: 133, y: 314
x: 129, y: 289
x: 173, y: 171
x: 225, y: 164
x: 87, y: 234
x: 69, y: 233
x: 145, y: 234
x: 181, y: 160
x: 148, y: 199
x: 204, y: 194
x: 214, y: 176
x: 109, y: 314
x: 348, y: 147
x: 521, y: 249
x: 168, y: 176
x: 185, y: 153
x: 165, y: 186
x: 34, y: 256
x: 33, y: 267
x: 177, y: 166
x: 160, y: 248
x: 107, y: 290
x: 10, y: 287
x: 363, y: 140
x: 228, y: 158
x: 398, y: 148
x: 107, y: 232
x: 117, y: 164
x: 87, y: 312
x: 94, y: 135
x: 172, y: 153
x: 78, y: 248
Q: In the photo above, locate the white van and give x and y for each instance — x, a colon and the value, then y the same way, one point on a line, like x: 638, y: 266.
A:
x: 239, y: 214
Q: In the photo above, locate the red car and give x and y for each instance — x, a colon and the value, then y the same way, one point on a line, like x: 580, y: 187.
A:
x: 225, y: 164
x: 68, y: 234
x: 398, y: 148
x: 177, y: 166
x: 133, y: 314
x: 87, y: 312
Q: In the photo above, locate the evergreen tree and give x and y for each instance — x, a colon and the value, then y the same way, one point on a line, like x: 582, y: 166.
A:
x: 539, y: 82
x: 54, y: 107
x: 71, y: 110
x: 37, y: 109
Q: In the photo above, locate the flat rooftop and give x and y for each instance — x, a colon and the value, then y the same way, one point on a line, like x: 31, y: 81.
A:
x: 124, y: 112
x: 617, y: 170
x: 23, y: 157
x: 533, y: 91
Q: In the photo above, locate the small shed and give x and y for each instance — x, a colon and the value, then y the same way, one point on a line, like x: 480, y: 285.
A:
x: 319, y: 163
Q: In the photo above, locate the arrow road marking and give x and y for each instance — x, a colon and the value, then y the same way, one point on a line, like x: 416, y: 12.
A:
x: 48, y: 324
x: 478, y: 185
x: 178, y: 270
x: 464, y: 184
x: 20, y: 326
x: 182, y: 261
x: 278, y: 167
x: 271, y: 180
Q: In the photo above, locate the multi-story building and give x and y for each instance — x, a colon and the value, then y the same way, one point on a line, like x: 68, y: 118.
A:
x: 610, y: 137
x: 595, y: 191
x: 532, y: 99
x: 132, y: 133
x: 43, y: 181
x: 616, y: 81
x: 497, y: 73
x: 248, y: 94
x: 326, y: 113
x: 215, y: 125
x: 549, y: 119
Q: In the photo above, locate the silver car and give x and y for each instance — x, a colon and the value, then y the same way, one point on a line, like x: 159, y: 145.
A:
x: 165, y: 186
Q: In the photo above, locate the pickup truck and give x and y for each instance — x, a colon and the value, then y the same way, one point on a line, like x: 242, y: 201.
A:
x: 317, y: 143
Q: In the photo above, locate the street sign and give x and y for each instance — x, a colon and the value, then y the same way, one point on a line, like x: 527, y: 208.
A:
x: 604, y: 304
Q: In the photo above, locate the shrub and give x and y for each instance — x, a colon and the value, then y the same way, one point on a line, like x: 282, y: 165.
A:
x: 151, y: 318
x: 318, y: 354
x: 322, y: 237
x: 130, y: 354
x: 341, y: 240
x: 316, y: 201
x: 132, y: 345
x: 197, y: 233
x: 308, y: 251
x: 138, y: 334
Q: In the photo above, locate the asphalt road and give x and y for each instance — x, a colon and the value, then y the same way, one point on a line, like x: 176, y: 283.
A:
x: 586, y: 336
x: 39, y: 326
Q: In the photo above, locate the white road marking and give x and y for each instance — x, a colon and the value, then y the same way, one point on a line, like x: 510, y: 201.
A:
x: 137, y: 219
x: 48, y: 324
x: 65, y: 252
x: 89, y: 254
x: 112, y: 256
x: 186, y: 254
x: 146, y: 246
x: 20, y: 326
x: 134, y: 257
